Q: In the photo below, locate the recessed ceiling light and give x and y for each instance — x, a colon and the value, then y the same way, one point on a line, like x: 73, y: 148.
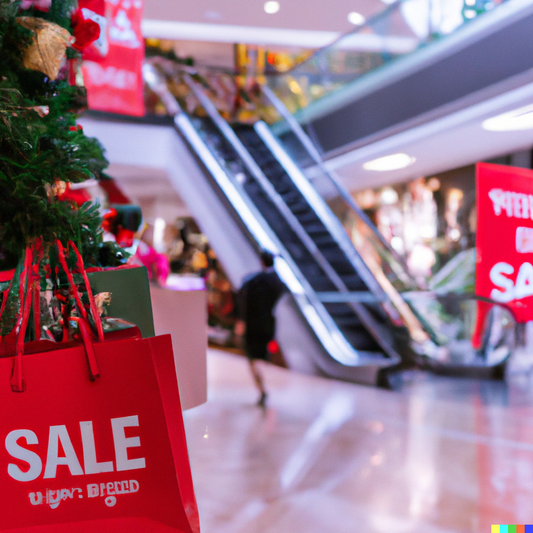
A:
x: 519, y: 119
x: 389, y: 162
x: 356, y: 18
x: 271, y: 7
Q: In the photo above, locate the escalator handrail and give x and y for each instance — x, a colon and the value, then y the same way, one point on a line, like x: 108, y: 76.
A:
x: 265, y: 184
x: 333, y: 177
x: 322, y: 210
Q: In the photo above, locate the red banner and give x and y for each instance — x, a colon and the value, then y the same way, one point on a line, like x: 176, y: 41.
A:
x: 112, y: 68
x: 504, y: 271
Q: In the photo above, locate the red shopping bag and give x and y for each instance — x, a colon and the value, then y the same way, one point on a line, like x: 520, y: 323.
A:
x: 103, y: 455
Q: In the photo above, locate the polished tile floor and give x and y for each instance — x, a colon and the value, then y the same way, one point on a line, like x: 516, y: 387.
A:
x: 439, y: 455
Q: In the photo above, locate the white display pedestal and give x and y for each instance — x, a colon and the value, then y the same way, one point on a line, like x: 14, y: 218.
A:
x: 183, y: 314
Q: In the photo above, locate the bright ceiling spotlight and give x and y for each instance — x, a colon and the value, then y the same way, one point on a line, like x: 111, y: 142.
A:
x: 519, y: 119
x: 356, y: 18
x: 389, y: 162
x: 271, y: 7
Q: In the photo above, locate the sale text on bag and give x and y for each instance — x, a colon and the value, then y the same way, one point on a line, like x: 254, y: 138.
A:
x: 59, y: 435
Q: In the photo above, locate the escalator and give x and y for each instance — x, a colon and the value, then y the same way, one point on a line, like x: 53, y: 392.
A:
x: 362, y: 311
x: 338, y: 273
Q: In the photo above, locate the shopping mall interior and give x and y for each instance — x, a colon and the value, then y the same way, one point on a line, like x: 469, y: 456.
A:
x: 355, y: 142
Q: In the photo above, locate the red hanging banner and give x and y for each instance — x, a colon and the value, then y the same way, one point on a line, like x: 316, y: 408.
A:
x: 112, y: 66
x: 504, y: 271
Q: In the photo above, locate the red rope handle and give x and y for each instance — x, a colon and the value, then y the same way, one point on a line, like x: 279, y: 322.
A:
x: 4, y: 301
x: 74, y: 289
x: 94, y: 309
x: 87, y: 338
x: 81, y: 267
x: 36, y: 288
x: 29, y: 294
x: 17, y: 378
x: 83, y: 322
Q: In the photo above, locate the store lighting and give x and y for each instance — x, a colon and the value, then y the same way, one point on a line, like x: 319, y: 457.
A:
x: 519, y: 119
x: 455, y: 234
x: 389, y: 196
x: 470, y: 13
x: 389, y: 162
x: 356, y: 18
x: 271, y: 7
x: 159, y: 235
x: 397, y: 243
x: 427, y: 231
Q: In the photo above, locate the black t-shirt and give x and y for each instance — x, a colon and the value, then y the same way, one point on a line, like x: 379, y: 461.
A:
x: 257, y: 298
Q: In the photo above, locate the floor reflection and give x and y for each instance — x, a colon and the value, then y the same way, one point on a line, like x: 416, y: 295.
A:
x: 442, y: 455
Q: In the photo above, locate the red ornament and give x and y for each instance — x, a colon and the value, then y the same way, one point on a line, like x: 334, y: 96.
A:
x: 109, y: 219
x: 77, y: 196
x: 85, y: 30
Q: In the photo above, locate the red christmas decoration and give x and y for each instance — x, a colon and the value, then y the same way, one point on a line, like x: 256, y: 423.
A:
x: 85, y: 30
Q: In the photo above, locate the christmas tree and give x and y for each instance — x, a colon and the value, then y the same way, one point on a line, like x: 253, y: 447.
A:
x: 42, y: 150
x: 42, y: 153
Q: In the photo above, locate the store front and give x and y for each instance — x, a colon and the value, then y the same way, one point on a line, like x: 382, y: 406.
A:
x: 429, y: 221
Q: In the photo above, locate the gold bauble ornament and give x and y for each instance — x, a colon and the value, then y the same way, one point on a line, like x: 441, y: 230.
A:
x: 47, y: 50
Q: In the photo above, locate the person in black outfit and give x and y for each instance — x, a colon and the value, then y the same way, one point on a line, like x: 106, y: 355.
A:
x: 256, y: 301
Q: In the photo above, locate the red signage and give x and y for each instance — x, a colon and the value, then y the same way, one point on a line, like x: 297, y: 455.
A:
x: 504, y: 271
x: 112, y: 68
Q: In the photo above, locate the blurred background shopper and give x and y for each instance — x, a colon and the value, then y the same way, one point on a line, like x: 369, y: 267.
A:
x: 256, y: 301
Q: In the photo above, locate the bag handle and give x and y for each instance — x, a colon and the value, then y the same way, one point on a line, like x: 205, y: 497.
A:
x: 83, y: 321
x: 18, y: 383
x: 74, y: 289
x: 29, y: 293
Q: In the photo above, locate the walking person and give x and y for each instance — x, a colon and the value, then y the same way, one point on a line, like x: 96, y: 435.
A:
x: 256, y: 301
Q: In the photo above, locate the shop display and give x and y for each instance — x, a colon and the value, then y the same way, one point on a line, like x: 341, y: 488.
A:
x: 428, y: 221
x: 62, y: 362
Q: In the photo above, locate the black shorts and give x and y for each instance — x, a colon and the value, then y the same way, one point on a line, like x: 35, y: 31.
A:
x: 257, y: 350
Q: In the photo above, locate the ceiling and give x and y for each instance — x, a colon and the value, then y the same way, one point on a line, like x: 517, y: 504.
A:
x: 451, y: 141
x: 314, y: 15
x: 298, y: 23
